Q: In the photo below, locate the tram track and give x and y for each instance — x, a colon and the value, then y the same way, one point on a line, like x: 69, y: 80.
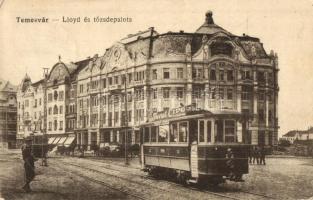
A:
x: 178, y: 186
x: 105, y: 184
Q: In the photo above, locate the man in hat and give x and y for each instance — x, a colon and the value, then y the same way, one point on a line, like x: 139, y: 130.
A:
x: 29, y: 163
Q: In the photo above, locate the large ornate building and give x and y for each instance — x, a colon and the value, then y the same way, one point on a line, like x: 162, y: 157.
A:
x: 7, y: 114
x: 211, y: 68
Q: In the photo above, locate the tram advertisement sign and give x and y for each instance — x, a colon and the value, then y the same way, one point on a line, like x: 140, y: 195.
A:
x: 180, y: 111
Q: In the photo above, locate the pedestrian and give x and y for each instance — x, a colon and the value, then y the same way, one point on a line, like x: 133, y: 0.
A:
x: 255, y: 155
x: 250, y: 154
x: 262, y: 155
x: 29, y: 164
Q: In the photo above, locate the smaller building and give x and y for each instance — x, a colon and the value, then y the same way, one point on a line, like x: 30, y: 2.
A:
x: 7, y: 114
x: 296, y: 135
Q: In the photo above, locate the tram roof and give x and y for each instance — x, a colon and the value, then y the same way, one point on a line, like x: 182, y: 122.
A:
x: 201, y: 114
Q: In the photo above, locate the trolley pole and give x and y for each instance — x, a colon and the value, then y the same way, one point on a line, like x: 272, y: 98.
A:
x: 126, y: 121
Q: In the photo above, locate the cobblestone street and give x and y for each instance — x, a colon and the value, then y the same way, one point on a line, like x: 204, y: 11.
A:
x: 90, y: 178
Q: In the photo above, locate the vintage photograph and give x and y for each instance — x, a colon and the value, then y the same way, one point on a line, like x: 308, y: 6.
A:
x: 138, y: 99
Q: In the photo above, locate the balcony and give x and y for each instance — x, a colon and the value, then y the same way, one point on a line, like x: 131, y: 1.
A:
x: 137, y: 83
x: 115, y: 87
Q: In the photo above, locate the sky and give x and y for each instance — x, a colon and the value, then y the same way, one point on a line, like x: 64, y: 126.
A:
x: 282, y: 25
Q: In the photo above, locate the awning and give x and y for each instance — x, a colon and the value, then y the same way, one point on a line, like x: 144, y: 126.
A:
x: 61, y: 141
x: 50, y: 141
x: 56, y: 140
x: 69, y: 140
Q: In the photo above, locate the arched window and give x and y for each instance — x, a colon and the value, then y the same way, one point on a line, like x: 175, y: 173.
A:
x: 55, y: 109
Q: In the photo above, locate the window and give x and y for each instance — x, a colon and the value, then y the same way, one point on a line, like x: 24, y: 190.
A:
x: 104, y: 83
x: 61, y: 110
x: 55, y: 110
x: 270, y: 78
x: 80, y: 103
x: 212, y: 75
x: 154, y: 74
x: 55, y: 95
x: 261, y: 115
x: 209, y: 131
x: 154, y: 93
x: 229, y: 93
x: 61, y: 96
x: 180, y: 92
x: 221, y: 93
x: 174, y: 133
x: 180, y: 73
x: 116, y: 80
x: 221, y: 73
x: 197, y: 73
x: 246, y: 92
x: 49, y: 97
x: 154, y: 133
x: 166, y: 93
x: 197, y: 92
x: 245, y: 74
x: 146, y: 134
x: 35, y: 103
x: 116, y: 117
x: 230, y: 75
x: 26, y: 103
x: 129, y: 117
x: 213, y: 93
x: 261, y: 95
x: 201, y: 131
x: 61, y: 125
x: 229, y: 131
x: 50, y: 111
x: 81, y: 88
x: 35, y: 115
x: 104, y: 118
x: 183, y: 129
x: 129, y: 97
x: 129, y: 77
x: 261, y: 77
x: 40, y: 101
x: 110, y: 80
x: 166, y: 73
x: 55, y: 125
x: 163, y: 133
x: 139, y: 94
x: 50, y: 126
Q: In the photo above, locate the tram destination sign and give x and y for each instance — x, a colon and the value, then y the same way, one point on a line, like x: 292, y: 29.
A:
x: 175, y: 112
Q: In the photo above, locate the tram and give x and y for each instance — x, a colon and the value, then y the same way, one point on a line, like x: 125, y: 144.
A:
x: 195, y: 146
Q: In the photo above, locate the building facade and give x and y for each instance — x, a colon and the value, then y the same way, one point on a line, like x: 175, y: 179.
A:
x: 102, y: 98
x: 8, y: 114
x: 211, y: 68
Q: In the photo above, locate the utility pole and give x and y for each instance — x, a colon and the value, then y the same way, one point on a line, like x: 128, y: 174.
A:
x: 44, y: 158
x: 126, y: 120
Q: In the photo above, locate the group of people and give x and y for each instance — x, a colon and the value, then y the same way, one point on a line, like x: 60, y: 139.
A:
x: 257, y: 155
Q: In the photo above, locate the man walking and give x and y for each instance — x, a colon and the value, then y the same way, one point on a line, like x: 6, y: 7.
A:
x: 262, y: 155
x: 29, y: 164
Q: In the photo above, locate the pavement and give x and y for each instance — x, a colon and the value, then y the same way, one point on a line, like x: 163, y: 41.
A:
x: 281, y: 177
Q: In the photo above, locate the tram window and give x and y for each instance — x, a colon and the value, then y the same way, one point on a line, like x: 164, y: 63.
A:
x: 183, y: 127
x: 174, y: 135
x: 163, y: 134
x: 201, y: 131
x: 154, y: 131
x: 229, y: 131
x: 209, y: 130
x: 147, y: 134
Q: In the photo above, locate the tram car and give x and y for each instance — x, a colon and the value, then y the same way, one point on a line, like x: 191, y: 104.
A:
x: 39, y: 145
x: 199, y: 147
